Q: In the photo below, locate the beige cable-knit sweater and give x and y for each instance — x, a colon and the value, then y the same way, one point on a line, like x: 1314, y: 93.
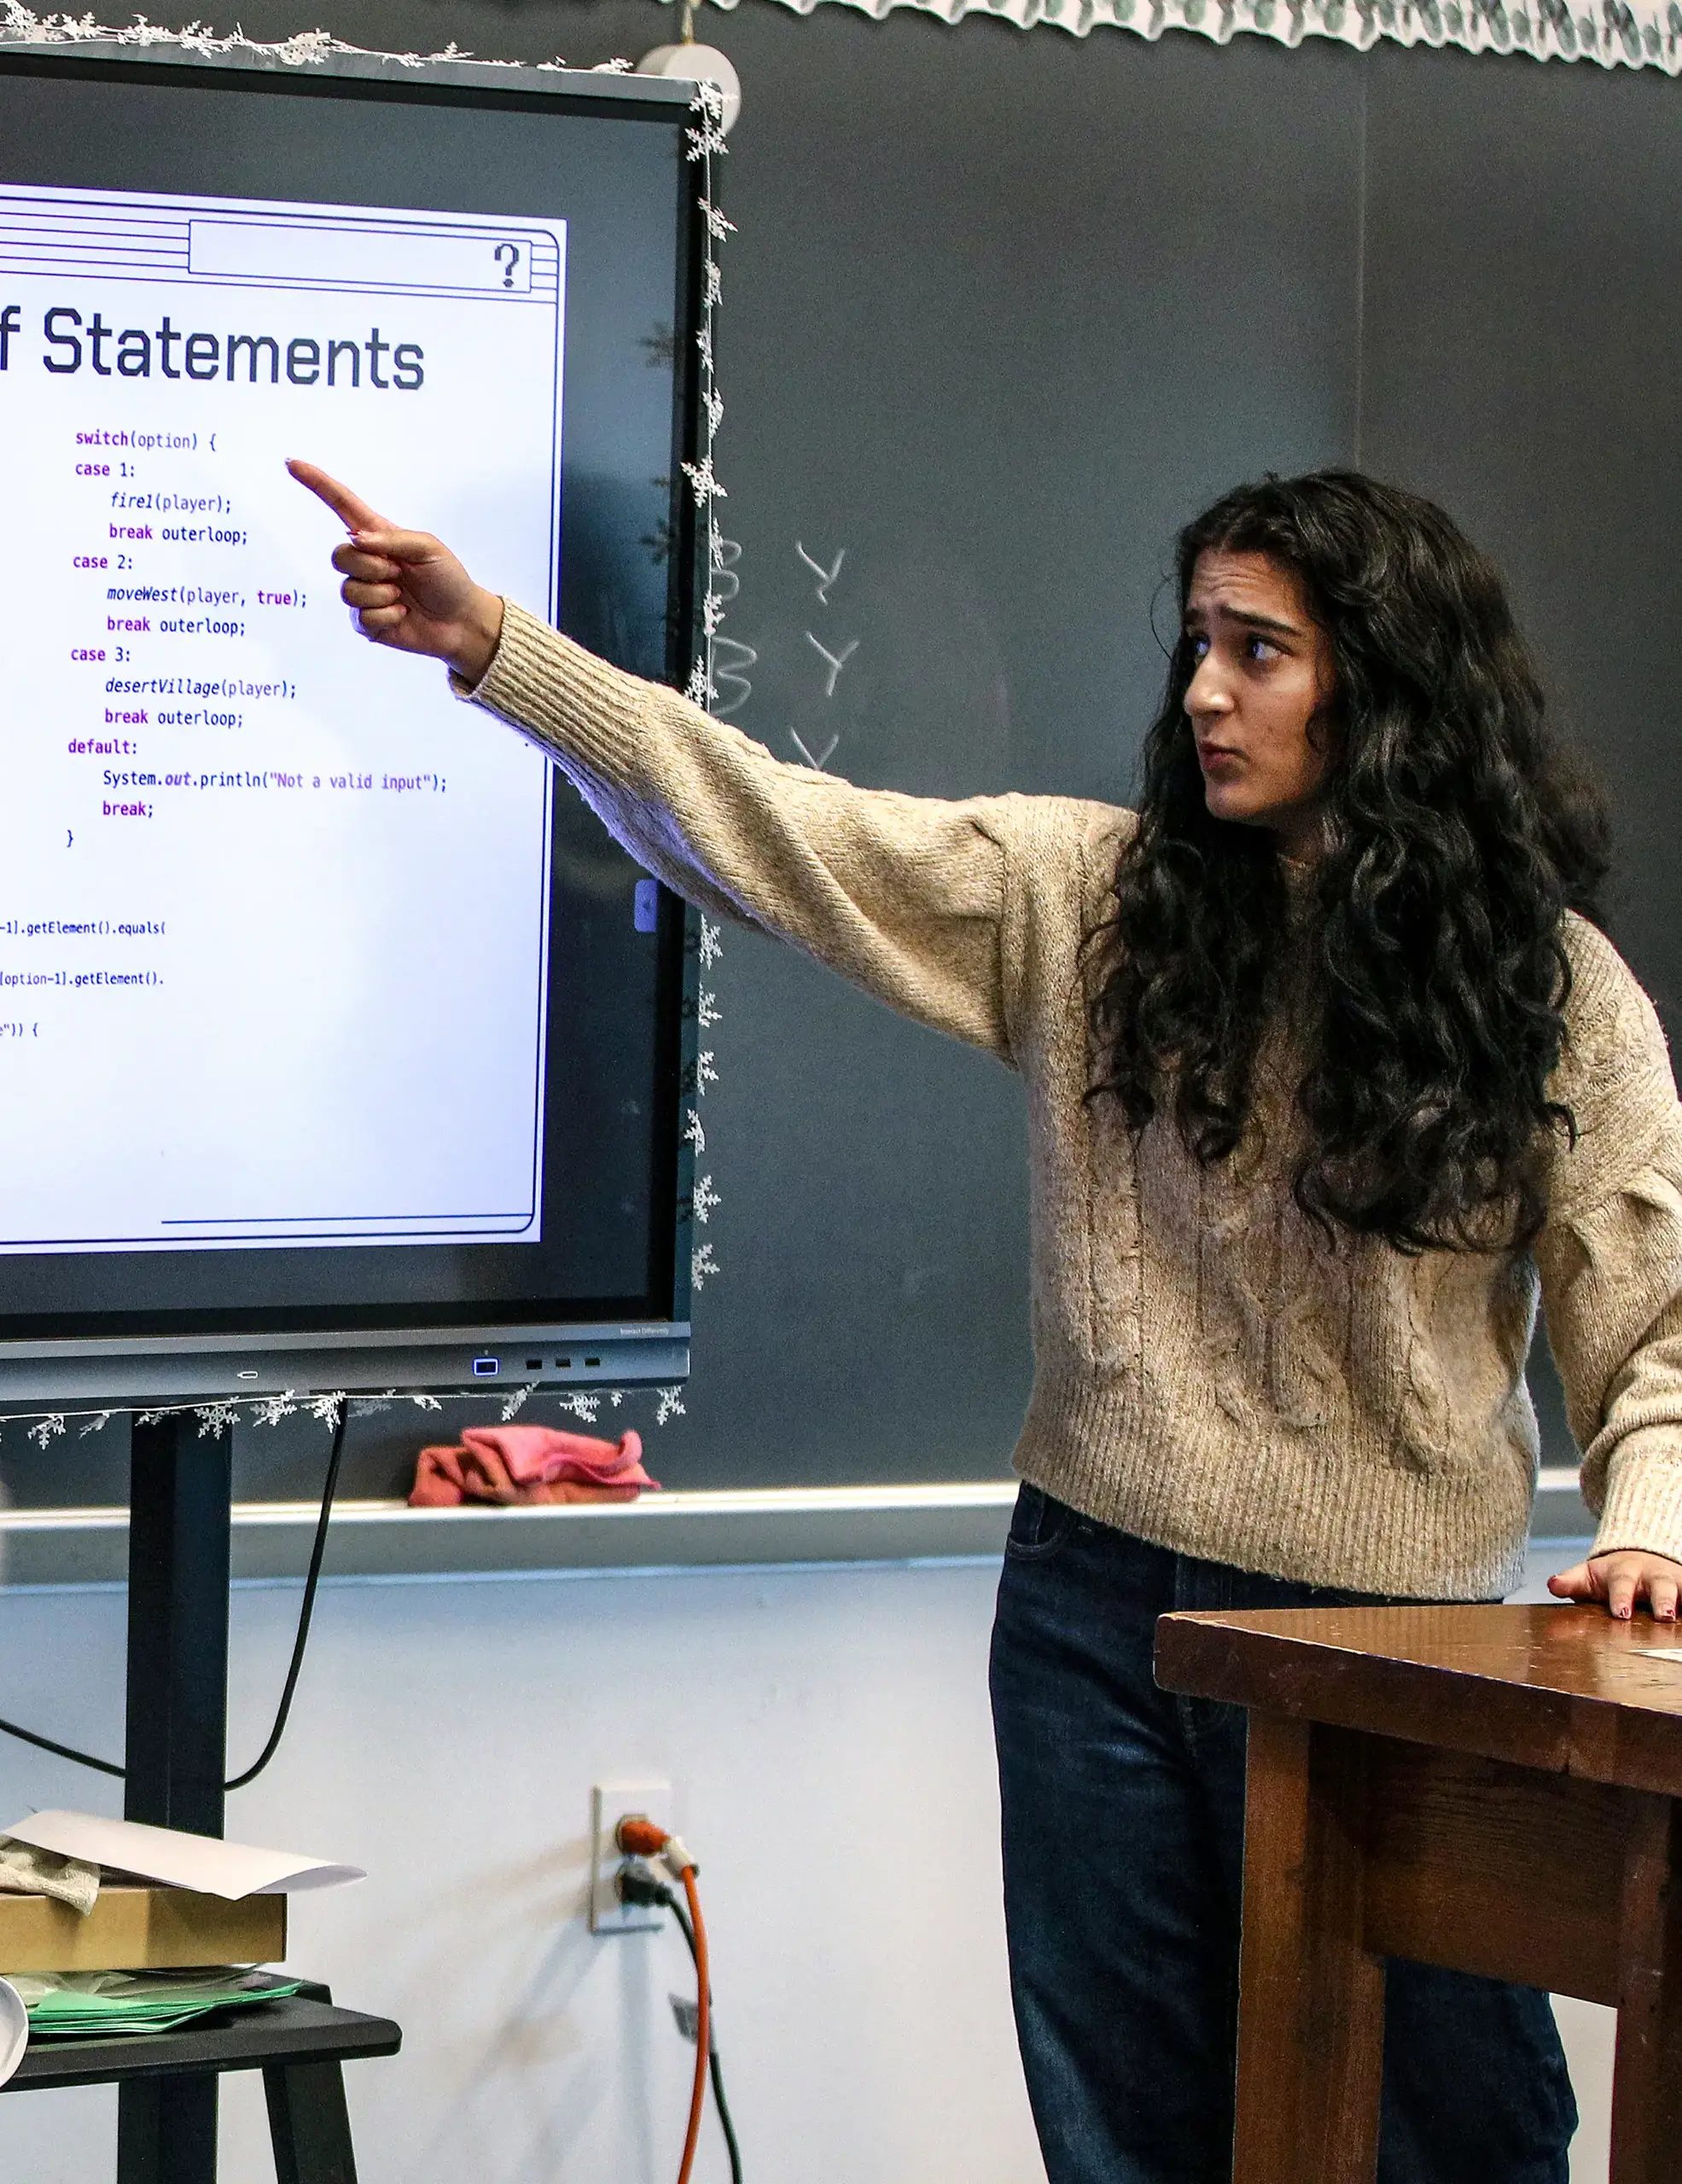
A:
x: 1209, y: 1374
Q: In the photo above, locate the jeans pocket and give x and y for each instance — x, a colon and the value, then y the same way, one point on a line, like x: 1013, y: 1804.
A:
x: 1039, y: 1525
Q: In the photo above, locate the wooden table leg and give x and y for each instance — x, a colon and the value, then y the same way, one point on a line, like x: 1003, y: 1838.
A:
x: 1647, y: 2078
x: 1311, y: 2011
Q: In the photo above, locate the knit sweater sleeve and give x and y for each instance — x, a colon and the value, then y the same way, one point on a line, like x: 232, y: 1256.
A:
x: 903, y: 895
x: 1610, y: 1255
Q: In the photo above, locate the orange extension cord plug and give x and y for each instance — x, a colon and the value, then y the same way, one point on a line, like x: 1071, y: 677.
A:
x: 639, y: 1838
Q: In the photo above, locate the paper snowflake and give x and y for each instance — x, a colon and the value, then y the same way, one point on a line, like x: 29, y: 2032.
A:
x: 216, y: 1418
x: 702, y: 482
x: 47, y: 1429
x: 669, y: 1405
x: 716, y: 225
x: 703, y: 1267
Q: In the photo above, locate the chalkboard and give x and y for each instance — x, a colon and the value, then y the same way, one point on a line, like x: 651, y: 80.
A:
x: 1003, y: 309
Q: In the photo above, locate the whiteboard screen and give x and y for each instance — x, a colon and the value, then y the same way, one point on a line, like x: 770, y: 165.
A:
x: 331, y: 1015
x: 221, y: 800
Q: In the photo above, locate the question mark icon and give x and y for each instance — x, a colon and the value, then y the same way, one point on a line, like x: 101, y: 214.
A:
x: 512, y: 252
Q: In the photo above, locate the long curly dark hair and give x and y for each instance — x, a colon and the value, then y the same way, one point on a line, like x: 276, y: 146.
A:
x: 1456, y: 836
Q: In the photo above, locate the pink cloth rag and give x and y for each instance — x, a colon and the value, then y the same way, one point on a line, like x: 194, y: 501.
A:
x: 530, y: 1464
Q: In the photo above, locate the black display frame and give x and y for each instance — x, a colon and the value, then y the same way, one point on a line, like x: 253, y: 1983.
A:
x: 623, y: 1338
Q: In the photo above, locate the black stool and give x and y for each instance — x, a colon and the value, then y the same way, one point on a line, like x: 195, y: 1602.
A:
x: 298, y: 2041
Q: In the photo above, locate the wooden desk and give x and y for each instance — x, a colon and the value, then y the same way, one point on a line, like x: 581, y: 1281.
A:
x: 1494, y: 1789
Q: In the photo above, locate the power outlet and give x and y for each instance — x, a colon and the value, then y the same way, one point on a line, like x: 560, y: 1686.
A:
x: 609, y: 1803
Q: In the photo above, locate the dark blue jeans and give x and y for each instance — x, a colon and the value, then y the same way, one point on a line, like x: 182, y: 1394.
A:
x: 1124, y: 1816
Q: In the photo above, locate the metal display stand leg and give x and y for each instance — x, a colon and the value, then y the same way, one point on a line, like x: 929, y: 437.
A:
x: 180, y: 1520
x: 309, y: 2123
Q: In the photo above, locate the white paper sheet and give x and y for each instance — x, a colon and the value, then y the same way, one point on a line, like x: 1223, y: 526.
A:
x: 232, y: 1870
x: 1660, y: 1653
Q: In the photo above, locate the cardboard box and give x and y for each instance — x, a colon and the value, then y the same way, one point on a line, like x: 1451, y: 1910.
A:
x: 140, y: 1929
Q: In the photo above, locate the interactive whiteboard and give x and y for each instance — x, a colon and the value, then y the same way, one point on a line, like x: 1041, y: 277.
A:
x: 336, y: 1038
x: 225, y: 804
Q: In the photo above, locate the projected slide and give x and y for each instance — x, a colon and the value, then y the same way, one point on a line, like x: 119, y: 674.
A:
x: 273, y: 906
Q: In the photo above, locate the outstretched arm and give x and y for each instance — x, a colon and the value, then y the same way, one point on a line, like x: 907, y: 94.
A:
x: 905, y: 896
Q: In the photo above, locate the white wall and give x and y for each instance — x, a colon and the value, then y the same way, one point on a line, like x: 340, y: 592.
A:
x: 827, y: 1730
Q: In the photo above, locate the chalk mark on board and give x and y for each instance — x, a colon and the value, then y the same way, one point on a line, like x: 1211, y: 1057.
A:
x: 825, y: 577
x: 731, y: 671
x: 835, y: 660
x: 816, y: 764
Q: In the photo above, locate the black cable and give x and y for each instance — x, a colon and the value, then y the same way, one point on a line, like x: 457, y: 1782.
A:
x: 306, y: 1607
x: 307, y: 1610
x: 638, y: 1883
x: 713, y: 2064
x: 60, y: 1751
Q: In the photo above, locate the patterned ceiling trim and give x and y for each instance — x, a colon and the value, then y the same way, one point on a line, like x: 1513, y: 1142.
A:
x: 1617, y: 33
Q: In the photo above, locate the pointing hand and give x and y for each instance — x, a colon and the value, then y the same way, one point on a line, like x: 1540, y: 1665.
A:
x: 404, y: 588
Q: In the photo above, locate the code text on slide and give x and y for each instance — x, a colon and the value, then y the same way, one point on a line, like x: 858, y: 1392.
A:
x: 274, y: 906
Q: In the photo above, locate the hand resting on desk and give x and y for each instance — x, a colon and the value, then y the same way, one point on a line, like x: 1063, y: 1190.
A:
x: 404, y: 588
x: 1623, y: 1580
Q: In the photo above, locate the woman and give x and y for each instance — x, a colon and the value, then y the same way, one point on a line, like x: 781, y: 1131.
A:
x: 1331, y: 1074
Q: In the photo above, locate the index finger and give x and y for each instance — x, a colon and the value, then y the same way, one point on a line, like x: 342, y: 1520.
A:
x: 352, y: 510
